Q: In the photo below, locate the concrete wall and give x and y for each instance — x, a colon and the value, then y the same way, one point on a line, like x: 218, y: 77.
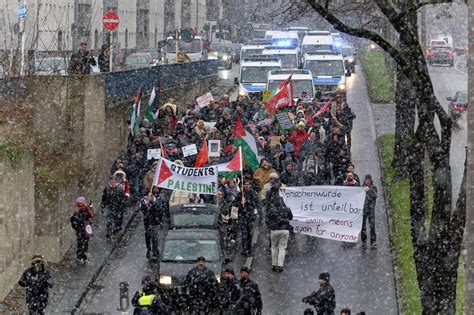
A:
x: 17, y: 216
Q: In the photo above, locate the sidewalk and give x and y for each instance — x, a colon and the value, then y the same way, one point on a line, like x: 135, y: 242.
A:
x: 71, y: 280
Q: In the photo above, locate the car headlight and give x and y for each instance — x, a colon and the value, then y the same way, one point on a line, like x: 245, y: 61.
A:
x: 341, y: 86
x: 225, y: 57
x: 351, y: 60
x: 165, y: 280
x: 218, y: 278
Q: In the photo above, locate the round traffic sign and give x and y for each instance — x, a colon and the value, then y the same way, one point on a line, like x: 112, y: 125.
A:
x: 110, y: 21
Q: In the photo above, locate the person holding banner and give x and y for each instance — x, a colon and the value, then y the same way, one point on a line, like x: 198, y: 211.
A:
x: 278, y: 217
x: 369, y: 212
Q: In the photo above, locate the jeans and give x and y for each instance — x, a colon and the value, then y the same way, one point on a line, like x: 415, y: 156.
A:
x: 279, y: 240
x: 152, y: 239
x: 246, y: 234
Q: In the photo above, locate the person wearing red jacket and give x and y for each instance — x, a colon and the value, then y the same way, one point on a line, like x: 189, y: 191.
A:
x: 297, y: 138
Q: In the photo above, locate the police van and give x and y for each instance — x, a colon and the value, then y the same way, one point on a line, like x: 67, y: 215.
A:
x: 254, y: 47
x: 329, y: 72
x: 285, y: 39
x: 302, y: 81
x: 315, y: 41
x: 289, y: 56
x: 253, y: 73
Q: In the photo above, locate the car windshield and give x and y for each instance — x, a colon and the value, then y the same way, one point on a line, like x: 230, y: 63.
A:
x: 188, y: 250
x: 194, y: 219
x: 136, y: 60
x: 325, y: 67
x: 299, y: 86
x: 255, y: 74
x: 347, y: 51
x: 249, y: 52
x: 308, y: 49
x: 461, y: 97
x: 192, y: 47
x: 288, y: 61
x: 441, y: 49
x: 51, y: 65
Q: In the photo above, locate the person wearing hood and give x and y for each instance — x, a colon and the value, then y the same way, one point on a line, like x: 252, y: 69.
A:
x: 278, y: 217
x: 81, y: 223
x: 114, y: 198
x: 369, y: 212
x: 37, y: 280
x: 324, y: 299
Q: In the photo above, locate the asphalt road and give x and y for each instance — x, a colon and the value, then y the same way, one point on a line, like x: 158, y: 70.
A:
x: 363, y: 279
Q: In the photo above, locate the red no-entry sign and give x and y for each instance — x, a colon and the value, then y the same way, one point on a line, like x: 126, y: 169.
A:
x: 111, y: 21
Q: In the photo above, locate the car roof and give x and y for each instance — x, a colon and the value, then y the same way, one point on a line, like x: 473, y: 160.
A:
x: 192, y: 234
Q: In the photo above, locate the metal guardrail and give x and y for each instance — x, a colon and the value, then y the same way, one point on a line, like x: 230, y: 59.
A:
x: 123, y: 84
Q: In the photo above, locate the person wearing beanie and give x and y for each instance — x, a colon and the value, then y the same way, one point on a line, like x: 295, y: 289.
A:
x: 369, y: 212
x: 324, y: 299
x: 37, y: 281
x: 81, y: 223
x: 228, y: 293
x: 278, y: 217
x: 345, y: 311
x: 250, y: 301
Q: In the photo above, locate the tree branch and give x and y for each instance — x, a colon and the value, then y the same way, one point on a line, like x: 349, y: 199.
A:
x: 359, y: 32
x: 420, y: 5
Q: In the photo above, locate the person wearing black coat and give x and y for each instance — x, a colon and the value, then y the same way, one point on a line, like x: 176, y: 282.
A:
x: 250, y: 301
x: 323, y: 300
x: 152, y: 209
x: 147, y: 300
x: 278, y: 217
x: 201, y: 288
x: 345, y: 116
x: 82, y: 216
x: 228, y: 293
x: 37, y: 281
x: 369, y: 212
x: 249, y: 204
x: 289, y: 176
x: 81, y: 61
x: 104, y: 59
x: 114, y: 198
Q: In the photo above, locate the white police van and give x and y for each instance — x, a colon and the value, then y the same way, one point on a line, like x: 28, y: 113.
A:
x: 253, y: 73
x: 329, y: 72
x: 254, y: 47
x: 289, y: 56
x: 315, y: 41
x: 302, y: 80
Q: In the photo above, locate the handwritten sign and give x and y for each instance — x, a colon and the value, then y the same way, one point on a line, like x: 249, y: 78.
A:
x: 284, y: 120
x: 153, y: 154
x: 331, y: 212
x: 189, y: 150
x: 205, y: 99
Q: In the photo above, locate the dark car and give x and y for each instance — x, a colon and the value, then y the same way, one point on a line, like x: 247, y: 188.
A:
x: 221, y: 53
x: 180, y: 250
x: 457, y: 104
x: 204, y: 216
x: 440, y: 55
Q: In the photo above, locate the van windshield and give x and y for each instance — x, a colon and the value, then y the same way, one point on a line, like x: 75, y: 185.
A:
x: 299, y: 86
x: 309, y: 49
x: 255, y: 74
x: 325, y: 67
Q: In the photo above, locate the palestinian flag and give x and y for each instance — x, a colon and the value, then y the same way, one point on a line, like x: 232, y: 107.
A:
x: 149, y: 115
x: 280, y: 97
x: 246, y: 142
x: 232, y: 168
x: 135, y: 113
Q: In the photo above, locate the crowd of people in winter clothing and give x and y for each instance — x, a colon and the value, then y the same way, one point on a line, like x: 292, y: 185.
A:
x: 316, y: 151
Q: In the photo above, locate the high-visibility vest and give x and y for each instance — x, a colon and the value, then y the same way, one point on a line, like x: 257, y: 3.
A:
x: 146, y: 300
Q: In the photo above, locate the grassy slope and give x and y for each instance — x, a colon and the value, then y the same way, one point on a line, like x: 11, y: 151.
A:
x: 381, y: 88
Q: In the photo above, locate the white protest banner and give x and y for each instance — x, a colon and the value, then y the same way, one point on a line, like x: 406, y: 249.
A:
x: 205, y: 99
x: 202, y: 180
x: 332, y: 212
x: 153, y: 154
x: 189, y: 150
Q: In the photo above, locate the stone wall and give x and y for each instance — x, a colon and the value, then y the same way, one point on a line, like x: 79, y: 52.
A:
x: 17, y: 218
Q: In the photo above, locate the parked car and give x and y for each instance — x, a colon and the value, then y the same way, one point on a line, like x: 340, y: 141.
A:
x: 139, y: 60
x: 440, y: 55
x: 457, y: 104
x: 204, y: 216
x: 180, y: 250
x: 51, y: 66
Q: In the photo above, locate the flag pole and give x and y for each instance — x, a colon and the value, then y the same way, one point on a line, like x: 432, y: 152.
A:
x: 241, y: 172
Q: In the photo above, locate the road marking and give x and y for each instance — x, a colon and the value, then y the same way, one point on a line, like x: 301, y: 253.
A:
x: 248, y: 262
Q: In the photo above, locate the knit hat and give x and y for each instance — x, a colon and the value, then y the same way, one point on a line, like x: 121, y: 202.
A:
x: 201, y: 258
x: 301, y: 124
x: 230, y: 270
x: 368, y: 176
x: 324, y: 276
x: 37, y: 258
x: 81, y: 200
x: 245, y: 269
x: 120, y: 172
x: 146, y: 280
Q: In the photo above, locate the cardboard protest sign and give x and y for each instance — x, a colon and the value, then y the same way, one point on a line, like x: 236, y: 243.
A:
x: 331, y: 212
x: 205, y: 99
x: 189, y: 150
x: 153, y: 154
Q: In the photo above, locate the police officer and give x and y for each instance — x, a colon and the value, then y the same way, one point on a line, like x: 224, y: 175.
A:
x: 323, y: 300
x: 228, y: 293
x: 250, y: 301
x: 201, y: 287
x: 147, y: 301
